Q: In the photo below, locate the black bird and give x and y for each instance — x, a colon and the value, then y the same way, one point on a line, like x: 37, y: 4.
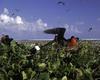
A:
x: 61, y: 3
x: 59, y: 34
x: 12, y: 14
x: 90, y: 29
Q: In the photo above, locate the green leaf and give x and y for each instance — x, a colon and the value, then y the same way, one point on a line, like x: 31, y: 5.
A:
x: 64, y: 78
x: 44, y: 76
x: 3, y: 74
x: 24, y: 75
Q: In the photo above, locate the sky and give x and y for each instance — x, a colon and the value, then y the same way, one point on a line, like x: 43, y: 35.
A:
x: 27, y: 19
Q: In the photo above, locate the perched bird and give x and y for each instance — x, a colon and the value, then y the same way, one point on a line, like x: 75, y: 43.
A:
x: 72, y: 42
x: 5, y: 39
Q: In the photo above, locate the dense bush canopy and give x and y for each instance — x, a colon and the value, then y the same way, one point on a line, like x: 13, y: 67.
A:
x: 52, y: 62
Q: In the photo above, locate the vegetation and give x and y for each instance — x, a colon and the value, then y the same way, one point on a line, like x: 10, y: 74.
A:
x: 52, y: 62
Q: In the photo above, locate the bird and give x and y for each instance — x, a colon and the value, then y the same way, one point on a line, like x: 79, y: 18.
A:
x: 90, y: 29
x: 72, y: 42
x: 12, y: 14
x: 60, y: 3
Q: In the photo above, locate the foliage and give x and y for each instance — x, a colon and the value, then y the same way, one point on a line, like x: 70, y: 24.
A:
x: 52, y: 62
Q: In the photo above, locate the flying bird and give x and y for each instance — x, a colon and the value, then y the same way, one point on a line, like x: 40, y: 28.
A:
x: 90, y: 29
x: 61, y: 3
x: 12, y: 14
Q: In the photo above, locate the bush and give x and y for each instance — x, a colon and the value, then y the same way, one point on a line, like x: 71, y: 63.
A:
x: 52, y: 62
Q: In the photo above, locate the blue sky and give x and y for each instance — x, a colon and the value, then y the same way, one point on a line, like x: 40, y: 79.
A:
x: 27, y: 19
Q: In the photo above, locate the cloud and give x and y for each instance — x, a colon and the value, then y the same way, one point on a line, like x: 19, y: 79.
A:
x: 6, y: 19
x: 41, y: 25
x: 17, y: 26
x: 72, y: 29
x: 17, y: 21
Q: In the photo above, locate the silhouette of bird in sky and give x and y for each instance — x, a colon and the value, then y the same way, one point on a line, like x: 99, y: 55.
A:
x: 12, y: 14
x: 60, y: 3
x: 90, y: 29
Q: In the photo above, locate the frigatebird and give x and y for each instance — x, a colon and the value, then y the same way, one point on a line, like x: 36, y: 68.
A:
x: 60, y: 31
x: 90, y: 29
x: 59, y: 34
x: 12, y: 14
x: 61, y: 3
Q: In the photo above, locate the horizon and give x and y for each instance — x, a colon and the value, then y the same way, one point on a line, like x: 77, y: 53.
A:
x: 53, y: 39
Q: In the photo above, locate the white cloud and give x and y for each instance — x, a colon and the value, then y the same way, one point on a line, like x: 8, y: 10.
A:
x: 6, y: 19
x: 17, y: 23
x: 41, y: 25
x: 72, y: 29
x: 18, y: 20
x: 18, y: 27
